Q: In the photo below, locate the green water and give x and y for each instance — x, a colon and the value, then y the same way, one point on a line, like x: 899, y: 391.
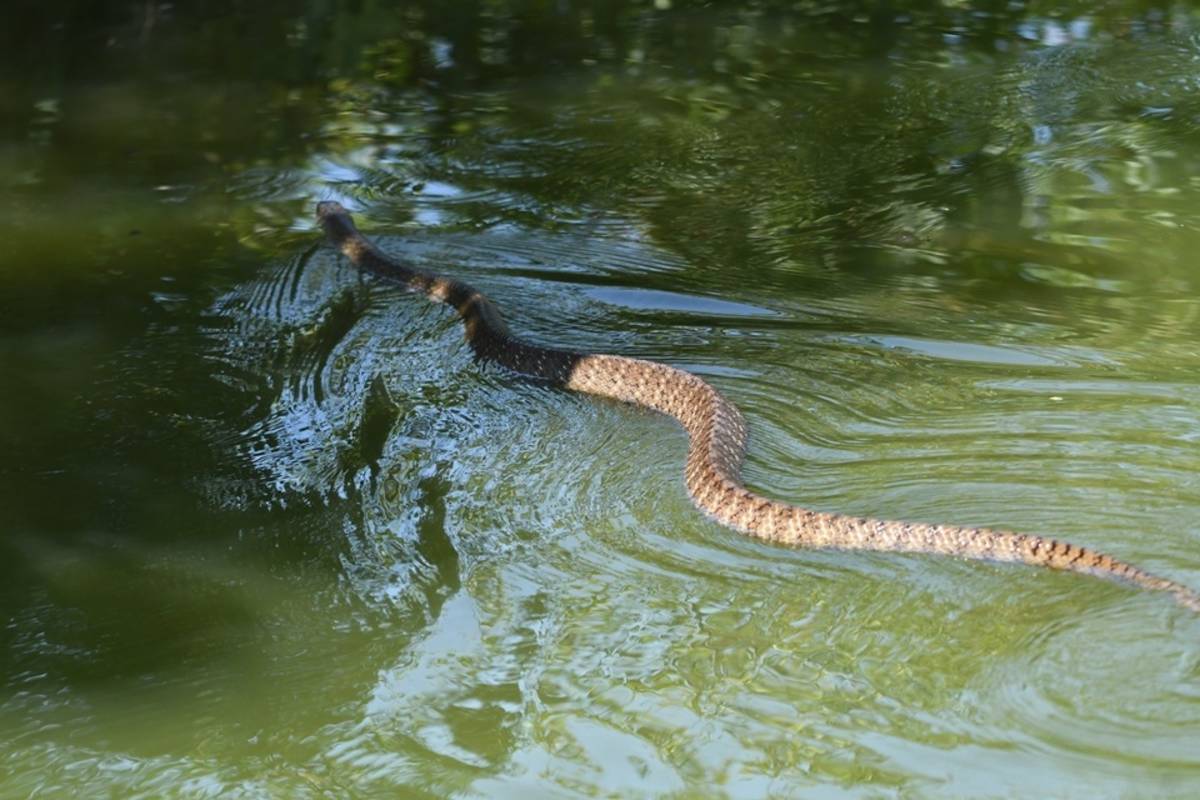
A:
x: 269, y: 531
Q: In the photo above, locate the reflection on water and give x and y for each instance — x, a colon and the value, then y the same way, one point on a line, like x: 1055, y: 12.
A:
x: 273, y: 532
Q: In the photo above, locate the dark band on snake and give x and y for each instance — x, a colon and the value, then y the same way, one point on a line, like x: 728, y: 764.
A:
x: 717, y: 438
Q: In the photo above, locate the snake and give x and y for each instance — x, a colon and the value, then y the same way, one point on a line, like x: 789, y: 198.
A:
x: 717, y: 438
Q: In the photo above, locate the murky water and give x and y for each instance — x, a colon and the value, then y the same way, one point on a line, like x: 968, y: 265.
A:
x: 270, y: 531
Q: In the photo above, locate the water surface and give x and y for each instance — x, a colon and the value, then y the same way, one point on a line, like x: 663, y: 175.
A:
x: 272, y: 532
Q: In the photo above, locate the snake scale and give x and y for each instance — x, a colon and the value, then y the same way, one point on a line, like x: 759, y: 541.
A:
x: 717, y: 438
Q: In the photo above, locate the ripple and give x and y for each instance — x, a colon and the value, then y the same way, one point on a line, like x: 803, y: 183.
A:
x: 541, y: 255
x: 372, y: 388
x: 649, y: 299
x: 261, y: 184
x: 1070, y: 689
x: 965, y: 351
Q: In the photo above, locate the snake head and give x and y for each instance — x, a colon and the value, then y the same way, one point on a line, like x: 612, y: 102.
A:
x: 329, y: 208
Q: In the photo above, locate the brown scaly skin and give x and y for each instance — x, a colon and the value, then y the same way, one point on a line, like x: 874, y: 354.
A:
x: 717, y: 439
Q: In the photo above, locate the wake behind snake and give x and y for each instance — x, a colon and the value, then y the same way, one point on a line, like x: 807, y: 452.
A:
x: 717, y: 438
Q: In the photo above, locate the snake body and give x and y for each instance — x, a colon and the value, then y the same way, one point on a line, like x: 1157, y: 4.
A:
x: 717, y: 438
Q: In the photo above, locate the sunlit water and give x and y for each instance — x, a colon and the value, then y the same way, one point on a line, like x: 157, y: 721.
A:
x: 272, y: 532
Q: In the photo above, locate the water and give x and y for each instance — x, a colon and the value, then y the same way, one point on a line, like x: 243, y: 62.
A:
x: 271, y: 532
